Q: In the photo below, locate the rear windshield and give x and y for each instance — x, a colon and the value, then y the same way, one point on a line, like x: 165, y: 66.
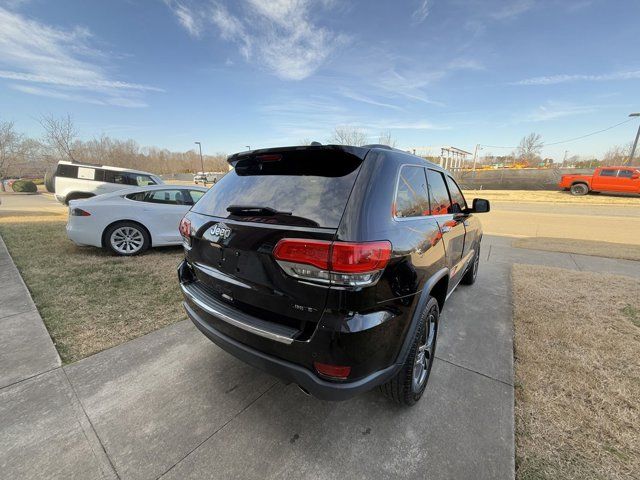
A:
x: 305, y: 188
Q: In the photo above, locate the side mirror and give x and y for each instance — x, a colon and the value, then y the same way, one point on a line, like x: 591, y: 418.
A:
x: 635, y: 175
x: 480, y: 205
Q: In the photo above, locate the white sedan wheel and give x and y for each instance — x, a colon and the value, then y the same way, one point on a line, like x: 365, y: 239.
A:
x: 127, y: 239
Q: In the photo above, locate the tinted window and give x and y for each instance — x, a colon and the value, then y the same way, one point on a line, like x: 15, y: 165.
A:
x: 310, y: 187
x: 165, y: 197
x: 67, y: 171
x: 625, y: 173
x: 127, y: 178
x: 607, y: 173
x: 115, y: 177
x: 438, y: 194
x: 458, y: 203
x: 412, y: 199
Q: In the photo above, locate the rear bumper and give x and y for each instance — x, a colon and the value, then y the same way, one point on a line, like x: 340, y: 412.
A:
x: 290, y: 372
x: 83, y: 235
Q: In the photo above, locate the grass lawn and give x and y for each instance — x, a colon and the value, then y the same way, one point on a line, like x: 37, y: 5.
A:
x: 552, y: 196
x: 89, y: 299
x: 581, y: 247
x: 577, y: 367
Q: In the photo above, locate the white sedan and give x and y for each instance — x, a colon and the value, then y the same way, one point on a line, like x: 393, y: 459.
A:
x: 129, y: 221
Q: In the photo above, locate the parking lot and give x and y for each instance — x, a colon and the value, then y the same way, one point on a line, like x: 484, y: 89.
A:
x: 170, y: 404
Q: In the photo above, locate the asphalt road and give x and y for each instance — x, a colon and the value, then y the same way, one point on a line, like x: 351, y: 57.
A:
x: 14, y: 204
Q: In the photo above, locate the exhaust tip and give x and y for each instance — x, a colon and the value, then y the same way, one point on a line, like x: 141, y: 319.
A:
x: 304, y: 390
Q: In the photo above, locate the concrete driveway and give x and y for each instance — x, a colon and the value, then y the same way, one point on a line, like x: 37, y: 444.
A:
x: 173, y: 405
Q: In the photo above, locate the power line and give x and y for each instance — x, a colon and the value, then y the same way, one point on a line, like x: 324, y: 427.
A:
x: 570, y: 139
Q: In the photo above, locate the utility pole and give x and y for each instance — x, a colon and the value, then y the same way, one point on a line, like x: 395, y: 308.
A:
x: 201, y: 159
x: 635, y: 142
x: 475, y: 156
x: 564, y: 159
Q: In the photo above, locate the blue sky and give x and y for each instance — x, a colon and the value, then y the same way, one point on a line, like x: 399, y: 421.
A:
x: 232, y: 73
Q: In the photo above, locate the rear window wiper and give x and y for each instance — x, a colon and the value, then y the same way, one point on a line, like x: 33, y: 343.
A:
x: 254, y: 210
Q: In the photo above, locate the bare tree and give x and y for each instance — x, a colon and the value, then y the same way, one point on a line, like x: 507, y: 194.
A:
x: 530, y: 147
x: 348, y: 135
x: 617, y: 155
x: 60, y: 135
x: 9, y: 146
x: 385, y: 138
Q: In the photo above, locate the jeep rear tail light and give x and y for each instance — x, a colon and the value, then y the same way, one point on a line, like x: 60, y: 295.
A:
x: 185, y: 231
x: 336, y: 372
x: 335, y: 263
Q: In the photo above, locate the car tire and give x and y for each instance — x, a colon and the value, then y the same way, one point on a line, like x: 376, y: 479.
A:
x: 127, y: 238
x: 579, y: 189
x: 407, y: 387
x: 472, y: 270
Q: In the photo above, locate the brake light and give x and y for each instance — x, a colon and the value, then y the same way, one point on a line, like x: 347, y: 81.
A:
x: 78, y: 212
x: 339, y: 263
x: 185, y: 231
x: 360, y: 257
x: 333, y: 371
x: 308, y: 252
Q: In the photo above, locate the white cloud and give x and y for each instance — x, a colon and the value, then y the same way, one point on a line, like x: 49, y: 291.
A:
x: 553, y: 110
x: 34, y: 53
x: 564, y: 78
x: 43, y: 92
x: 512, y: 9
x: 365, y: 99
x: 278, y: 34
x: 186, y: 18
x: 421, y: 13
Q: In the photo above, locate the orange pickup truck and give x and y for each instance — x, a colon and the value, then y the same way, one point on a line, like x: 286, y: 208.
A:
x: 604, y: 179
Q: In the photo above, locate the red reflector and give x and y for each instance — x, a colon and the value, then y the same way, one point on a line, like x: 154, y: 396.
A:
x: 300, y: 250
x: 333, y: 371
x: 360, y: 257
x: 185, y: 228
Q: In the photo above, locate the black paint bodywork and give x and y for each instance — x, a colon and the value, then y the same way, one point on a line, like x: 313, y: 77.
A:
x: 368, y: 328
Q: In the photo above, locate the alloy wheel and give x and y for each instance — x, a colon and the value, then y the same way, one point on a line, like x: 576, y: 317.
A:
x: 127, y: 240
x: 425, y: 352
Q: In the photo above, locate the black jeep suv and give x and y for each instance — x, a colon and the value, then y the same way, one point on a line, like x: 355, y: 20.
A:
x: 328, y: 266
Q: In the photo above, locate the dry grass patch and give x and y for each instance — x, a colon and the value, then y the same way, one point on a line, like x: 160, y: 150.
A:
x: 577, y: 344
x: 581, y: 247
x: 89, y: 299
x: 553, y: 196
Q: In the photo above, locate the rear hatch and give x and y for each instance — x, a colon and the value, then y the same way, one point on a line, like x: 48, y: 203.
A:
x: 270, y: 195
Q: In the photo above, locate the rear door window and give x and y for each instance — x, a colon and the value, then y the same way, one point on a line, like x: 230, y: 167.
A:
x: 300, y: 187
x: 196, y: 195
x: 607, y: 173
x: 438, y: 193
x: 458, y: 203
x: 412, y: 198
x: 164, y: 197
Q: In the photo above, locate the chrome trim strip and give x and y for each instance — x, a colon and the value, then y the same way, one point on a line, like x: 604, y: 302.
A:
x: 222, y: 316
x: 217, y: 274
